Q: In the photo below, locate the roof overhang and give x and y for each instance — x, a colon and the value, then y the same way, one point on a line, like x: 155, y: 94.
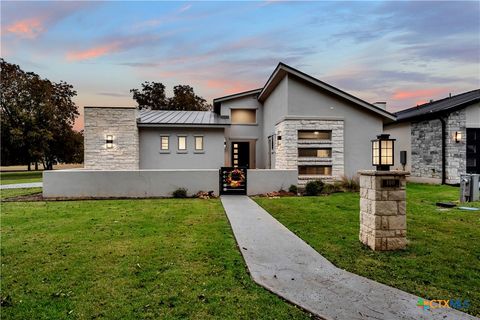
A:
x: 180, y: 125
x: 217, y: 101
x: 282, y: 70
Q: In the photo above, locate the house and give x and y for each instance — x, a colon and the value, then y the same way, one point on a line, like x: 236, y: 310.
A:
x: 441, y: 139
x: 294, y: 121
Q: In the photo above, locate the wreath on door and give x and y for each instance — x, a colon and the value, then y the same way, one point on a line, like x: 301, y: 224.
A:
x: 235, y: 178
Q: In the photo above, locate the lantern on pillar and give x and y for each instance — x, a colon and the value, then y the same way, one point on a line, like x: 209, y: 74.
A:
x: 382, y: 152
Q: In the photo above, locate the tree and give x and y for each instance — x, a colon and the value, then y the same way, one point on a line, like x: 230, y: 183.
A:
x: 37, y: 116
x: 152, y: 96
x: 184, y: 98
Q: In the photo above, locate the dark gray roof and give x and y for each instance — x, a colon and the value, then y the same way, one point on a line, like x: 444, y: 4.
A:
x: 444, y: 105
x: 184, y: 118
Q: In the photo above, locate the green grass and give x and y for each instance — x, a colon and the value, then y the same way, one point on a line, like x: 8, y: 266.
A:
x: 10, y: 193
x: 20, y: 177
x: 443, y: 256
x: 127, y: 259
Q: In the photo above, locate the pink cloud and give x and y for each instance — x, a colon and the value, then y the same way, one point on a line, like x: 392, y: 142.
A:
x: 422, y: 94
x: 28, y: 28
x: 94, y: 52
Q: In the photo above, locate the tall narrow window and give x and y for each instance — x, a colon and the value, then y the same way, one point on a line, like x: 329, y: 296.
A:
x: 164, y: 143
x: 182, y: 143
x: 199, y: 143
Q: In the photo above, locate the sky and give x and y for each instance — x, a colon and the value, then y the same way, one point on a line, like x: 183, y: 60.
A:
x: 404, y: 53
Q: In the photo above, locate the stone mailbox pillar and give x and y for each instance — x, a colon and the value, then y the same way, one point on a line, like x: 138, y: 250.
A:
x: 383, y: 224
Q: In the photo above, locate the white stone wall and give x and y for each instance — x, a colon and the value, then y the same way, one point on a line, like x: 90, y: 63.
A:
x: 121, y: 123
x: 287, y: 147
x: 456, y: 152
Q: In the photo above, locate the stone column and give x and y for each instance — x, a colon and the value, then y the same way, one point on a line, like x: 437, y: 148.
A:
x: 383, y: 224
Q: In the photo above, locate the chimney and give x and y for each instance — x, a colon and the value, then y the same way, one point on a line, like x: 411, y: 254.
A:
x: 381, y: 104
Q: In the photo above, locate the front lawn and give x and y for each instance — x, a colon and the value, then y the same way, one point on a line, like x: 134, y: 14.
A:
x: 127, y: 259
x: 443, y: 256
x: 20, y: 177
x: 11, y: 193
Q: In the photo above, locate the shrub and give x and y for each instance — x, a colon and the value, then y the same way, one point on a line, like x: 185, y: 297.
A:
x: 180, y: 193
x: 329, y: 188
x: 293, y: 189
x: 350, y: 183
x: 313, y: 188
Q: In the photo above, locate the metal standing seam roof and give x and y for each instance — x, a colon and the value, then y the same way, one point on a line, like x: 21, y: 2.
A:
x: 171, y: 117
x: 439, y: 105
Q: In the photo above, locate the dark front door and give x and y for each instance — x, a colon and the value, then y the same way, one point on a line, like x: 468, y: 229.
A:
x: 241, y: 154
x: 473, y: 150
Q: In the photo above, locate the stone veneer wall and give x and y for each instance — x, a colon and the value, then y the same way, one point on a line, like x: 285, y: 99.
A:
x: 383, y: 223
x: 287, y: 148
x: 427, y: 148
x: 456, y: 151
x: 121, y: 123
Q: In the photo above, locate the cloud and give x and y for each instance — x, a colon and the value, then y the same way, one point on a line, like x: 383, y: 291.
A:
x: 425, y: 94
x: 28, y: 28
x: 120, y: 44
x: 31, y: 19
x: 184, y: 8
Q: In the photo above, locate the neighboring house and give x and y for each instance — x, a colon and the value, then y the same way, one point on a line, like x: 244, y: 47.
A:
x: 293, y: 122
x: 441, y: 138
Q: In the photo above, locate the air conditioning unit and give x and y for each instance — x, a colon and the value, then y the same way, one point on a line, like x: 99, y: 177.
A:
x: 469, y: 187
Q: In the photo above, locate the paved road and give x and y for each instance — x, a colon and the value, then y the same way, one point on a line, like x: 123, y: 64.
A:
x: 21, y: 185
x: 284, y: 264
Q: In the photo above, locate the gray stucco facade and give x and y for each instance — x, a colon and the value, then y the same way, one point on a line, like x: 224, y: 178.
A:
x: 259, y: 129
x: 211, y: 157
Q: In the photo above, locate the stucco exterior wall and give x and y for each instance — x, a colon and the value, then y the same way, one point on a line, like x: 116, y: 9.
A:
x: 402, y: 133
x: 153, y: 183
x: 360, y: 125
x: 244, y: 132
x: 151, y: 157
x: 121, y: 123
x: 473, y: 116
x: 275, y: 107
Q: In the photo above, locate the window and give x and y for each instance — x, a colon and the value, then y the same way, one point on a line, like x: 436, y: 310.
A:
x: 315, y: 153
x: 199, y: 143
x: 182, y: 143
x: 244, y: 116
x: 164, y: 143
x: 109, y: 141
x: 315, y: 134
x: 315, y: 170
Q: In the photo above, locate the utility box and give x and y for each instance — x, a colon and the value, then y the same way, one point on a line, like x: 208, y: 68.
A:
x: 469, y: 187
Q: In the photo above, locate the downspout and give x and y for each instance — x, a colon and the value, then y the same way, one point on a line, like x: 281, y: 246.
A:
x: 444, y: 146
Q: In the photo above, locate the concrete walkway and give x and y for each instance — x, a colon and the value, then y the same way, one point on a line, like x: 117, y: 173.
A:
x: 284, y: 264
x: 21, y: 185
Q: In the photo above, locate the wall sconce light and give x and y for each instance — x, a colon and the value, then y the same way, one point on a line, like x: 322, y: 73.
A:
x: 109, y: 141
x: 382, y: 152
x: 224, y: 143
x: 458, y: 136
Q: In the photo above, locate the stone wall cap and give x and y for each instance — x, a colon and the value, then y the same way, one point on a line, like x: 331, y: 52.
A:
x: 112, y: 107
x: 383, y: 173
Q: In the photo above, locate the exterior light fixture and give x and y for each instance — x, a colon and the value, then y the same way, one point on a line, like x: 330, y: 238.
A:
x: 109, y: 141
x: 458, y: 136
x: 382, y: 152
